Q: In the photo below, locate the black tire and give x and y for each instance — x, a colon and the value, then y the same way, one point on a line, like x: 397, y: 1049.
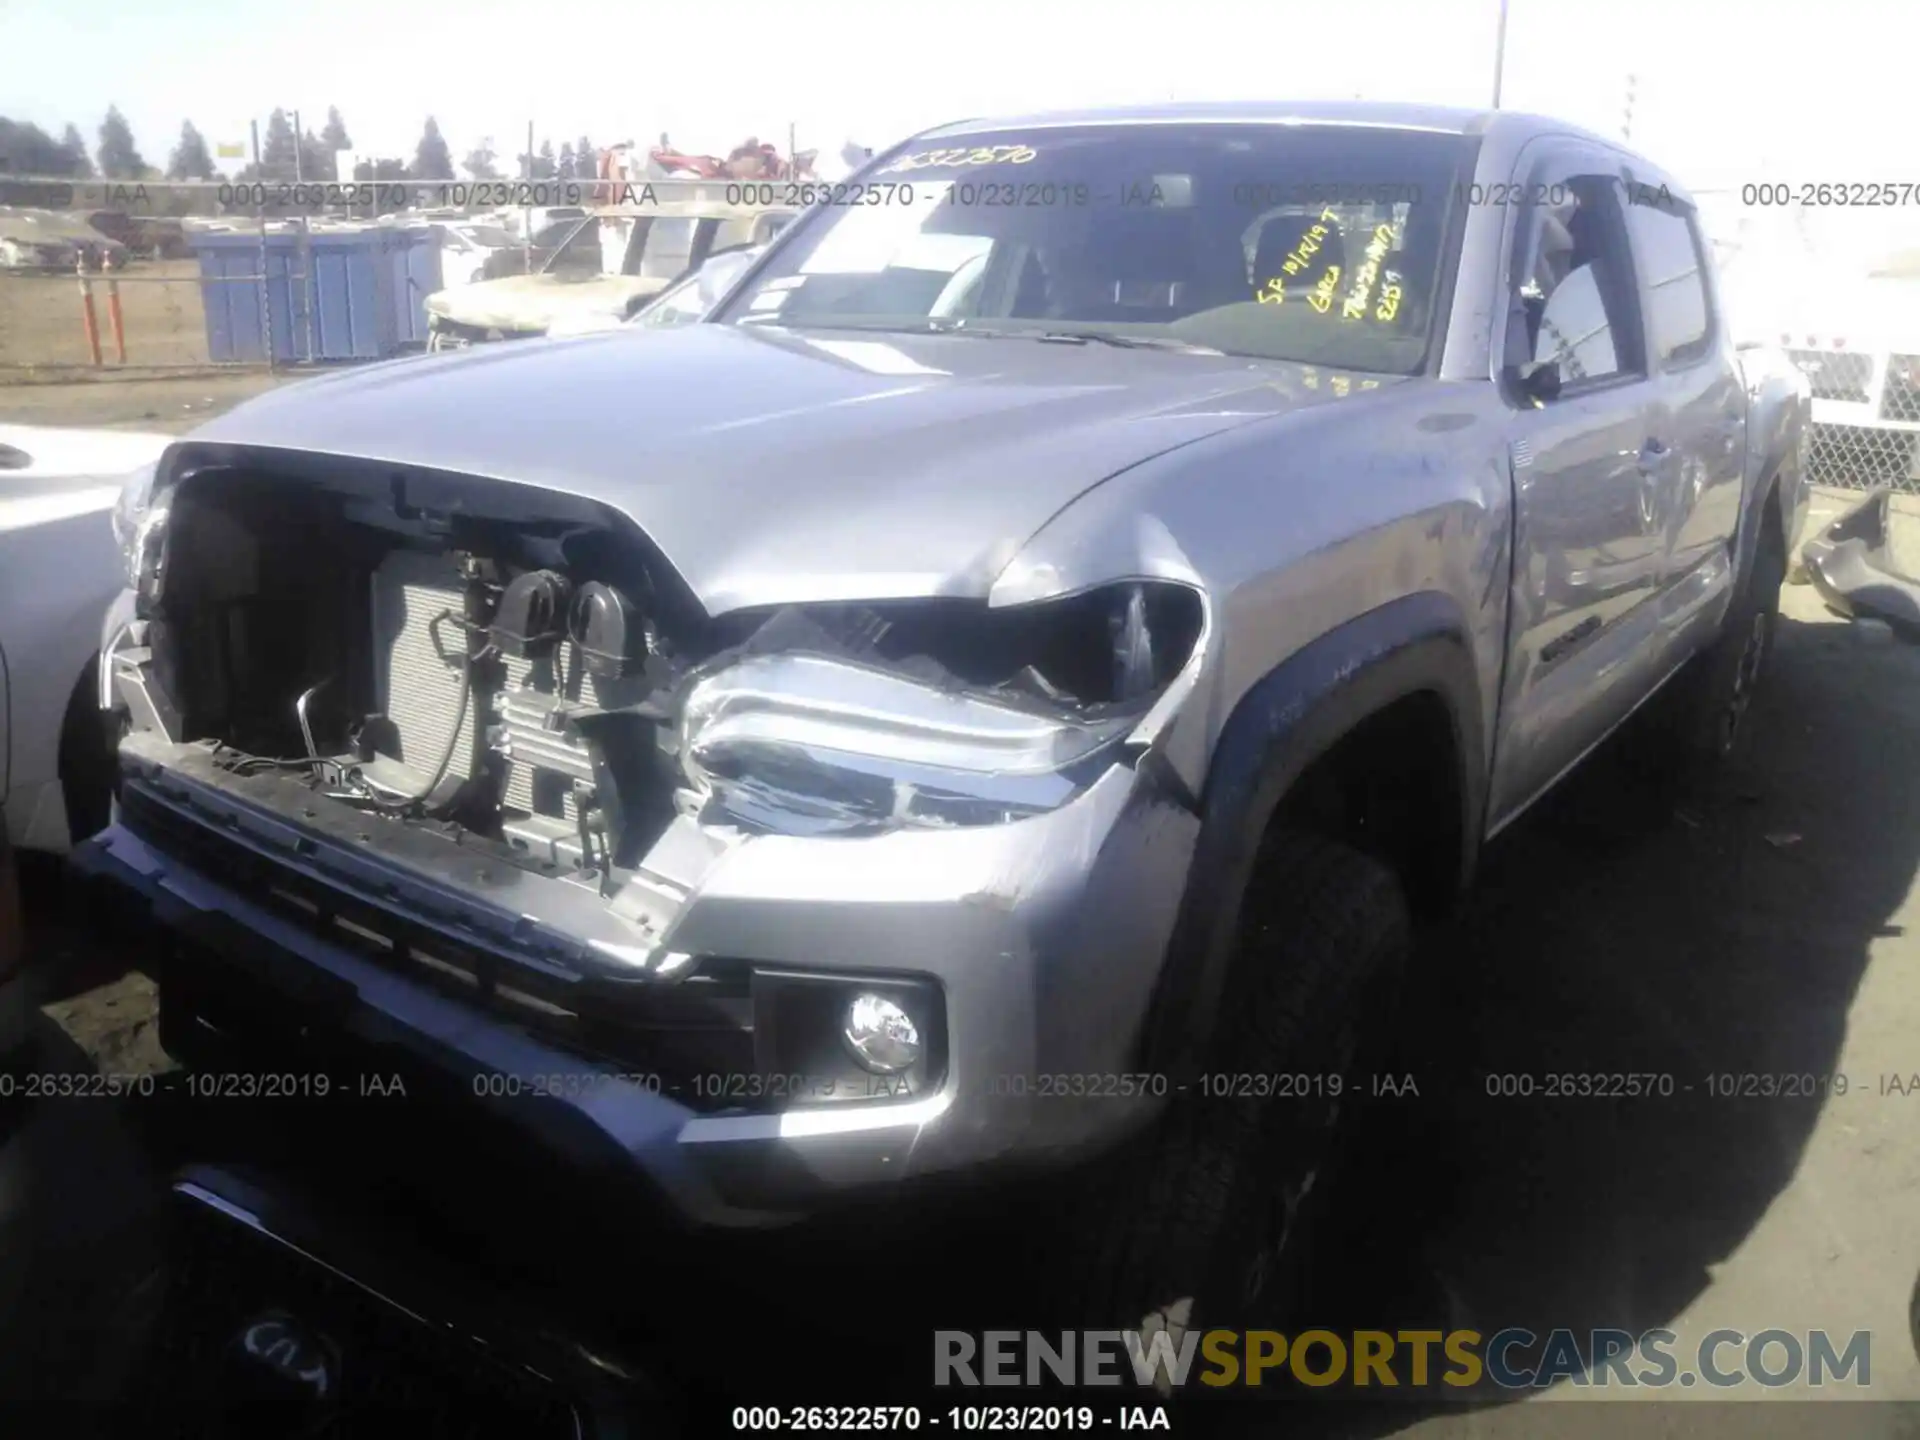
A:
x: 1699, y: 723
x: 86, y: 761
x: 1180, y: 1226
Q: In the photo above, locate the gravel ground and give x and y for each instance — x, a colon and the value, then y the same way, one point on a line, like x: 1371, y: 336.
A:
x: 42, y: 318
x: 1769, y: 929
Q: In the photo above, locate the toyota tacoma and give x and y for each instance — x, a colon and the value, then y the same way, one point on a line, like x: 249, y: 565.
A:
x: 1015, y: 673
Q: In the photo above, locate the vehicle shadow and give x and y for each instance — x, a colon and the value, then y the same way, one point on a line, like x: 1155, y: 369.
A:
x: 1614, y: 931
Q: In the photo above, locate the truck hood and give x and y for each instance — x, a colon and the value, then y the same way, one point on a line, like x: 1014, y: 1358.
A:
x: 533, y: 302
x: 774, y: 466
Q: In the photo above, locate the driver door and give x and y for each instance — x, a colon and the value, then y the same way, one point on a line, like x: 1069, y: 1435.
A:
x: 1585, y: 464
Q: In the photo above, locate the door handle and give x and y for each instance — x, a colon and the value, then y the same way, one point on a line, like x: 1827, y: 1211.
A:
x: 1653, y: 452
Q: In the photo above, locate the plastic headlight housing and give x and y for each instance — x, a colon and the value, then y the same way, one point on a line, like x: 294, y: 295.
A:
x: 808, y: 743
x: 136, y: 523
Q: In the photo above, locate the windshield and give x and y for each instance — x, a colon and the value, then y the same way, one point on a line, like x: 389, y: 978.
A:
x: 490, y: 236
x: 1321, y: 243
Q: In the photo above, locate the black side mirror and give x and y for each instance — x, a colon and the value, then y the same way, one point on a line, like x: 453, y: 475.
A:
x: 1539, y: 381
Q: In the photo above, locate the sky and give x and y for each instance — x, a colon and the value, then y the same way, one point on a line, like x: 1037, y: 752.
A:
x: 1724, y: 94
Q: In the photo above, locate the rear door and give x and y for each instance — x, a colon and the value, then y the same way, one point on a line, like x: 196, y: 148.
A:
x: 1700, y: 409
x: 1588, y: 547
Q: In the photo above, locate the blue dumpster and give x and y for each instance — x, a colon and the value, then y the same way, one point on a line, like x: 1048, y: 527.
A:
x: 231, y: 292
x: 351, y: 292
x: 416, y: 275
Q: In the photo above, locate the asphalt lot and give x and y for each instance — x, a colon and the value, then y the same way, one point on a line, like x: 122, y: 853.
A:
x: 1764, y: 930
x: 169, y: 403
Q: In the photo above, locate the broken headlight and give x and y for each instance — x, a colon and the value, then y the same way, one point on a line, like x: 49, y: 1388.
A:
x: 809, y: 741
x: 136, y: 523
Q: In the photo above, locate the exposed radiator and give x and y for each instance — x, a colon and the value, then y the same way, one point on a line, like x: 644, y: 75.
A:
x: 420, y: 692
x: 417, y: 689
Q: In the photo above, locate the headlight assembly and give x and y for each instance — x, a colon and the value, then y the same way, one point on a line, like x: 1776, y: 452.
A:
x: 815, y: 743
x: 137, y: 522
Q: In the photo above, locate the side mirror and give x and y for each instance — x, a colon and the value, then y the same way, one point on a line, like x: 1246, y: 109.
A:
x: 1539, y: 381
x: 719, y: 273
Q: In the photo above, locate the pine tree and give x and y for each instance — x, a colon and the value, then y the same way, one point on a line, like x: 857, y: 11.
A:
x: 120, y: 158
x: 277, y: 156
x: 190, y: 159
x: 316, y: 160
x: 564, y: 167
x: 431, y: 158
x: 545, y: 167
x: 79, y: 162
x: 335, y: 137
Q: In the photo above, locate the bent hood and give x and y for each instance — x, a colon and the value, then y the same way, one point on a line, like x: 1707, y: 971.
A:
x: 775, y: 467
x: 533, y: 302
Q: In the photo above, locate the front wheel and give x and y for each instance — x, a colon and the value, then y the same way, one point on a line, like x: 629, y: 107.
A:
x: 1208, y: 1220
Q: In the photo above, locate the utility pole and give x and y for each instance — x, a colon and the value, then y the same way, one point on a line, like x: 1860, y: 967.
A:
x: 1500, y: 54
x: 299, y: 144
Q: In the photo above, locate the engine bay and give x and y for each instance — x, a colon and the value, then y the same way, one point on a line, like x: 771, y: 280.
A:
x: 501, y: 677
x: 516, y: 668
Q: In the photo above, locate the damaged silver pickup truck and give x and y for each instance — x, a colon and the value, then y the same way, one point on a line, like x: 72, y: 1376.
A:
x: 1011, y: 678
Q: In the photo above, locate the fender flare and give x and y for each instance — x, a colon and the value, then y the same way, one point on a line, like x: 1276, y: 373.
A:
x: 1285, y: 722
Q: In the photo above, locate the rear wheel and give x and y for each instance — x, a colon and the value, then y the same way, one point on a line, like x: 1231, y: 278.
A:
x: 1208, y: 1219
x: 1700, y: 722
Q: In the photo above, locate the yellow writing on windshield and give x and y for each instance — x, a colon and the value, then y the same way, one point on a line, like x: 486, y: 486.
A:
x: 1274, y: 292
x: 1355, y: 307
x: 1321, y: 297
x: 1309, y: 244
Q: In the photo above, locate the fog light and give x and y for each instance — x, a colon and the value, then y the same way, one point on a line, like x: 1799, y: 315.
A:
x: 881, y: 1035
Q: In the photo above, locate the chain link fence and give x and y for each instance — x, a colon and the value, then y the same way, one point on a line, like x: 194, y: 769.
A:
x: 197, y: 275
x: 1866, y: 407
x: 1837, y: 288
x: 212, y: 275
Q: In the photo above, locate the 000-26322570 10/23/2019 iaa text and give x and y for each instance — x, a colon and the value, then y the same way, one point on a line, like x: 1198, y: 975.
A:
x: 962, y: 1419
x: 202, y: 1085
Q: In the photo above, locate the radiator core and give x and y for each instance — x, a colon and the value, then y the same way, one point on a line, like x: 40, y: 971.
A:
x: 419, y: 691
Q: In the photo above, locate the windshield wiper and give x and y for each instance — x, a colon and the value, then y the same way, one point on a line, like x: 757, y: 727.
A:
x: 1122, y: 342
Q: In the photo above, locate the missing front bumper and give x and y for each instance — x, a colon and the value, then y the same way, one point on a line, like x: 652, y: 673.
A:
x: 1851, y: 564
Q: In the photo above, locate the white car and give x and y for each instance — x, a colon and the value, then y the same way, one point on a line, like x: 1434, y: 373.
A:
x: 59, y: 569
x: 465, y: 247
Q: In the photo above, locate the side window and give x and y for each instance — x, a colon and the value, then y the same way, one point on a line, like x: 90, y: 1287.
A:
x: 1666, y: 247
x: 1571, y: 304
